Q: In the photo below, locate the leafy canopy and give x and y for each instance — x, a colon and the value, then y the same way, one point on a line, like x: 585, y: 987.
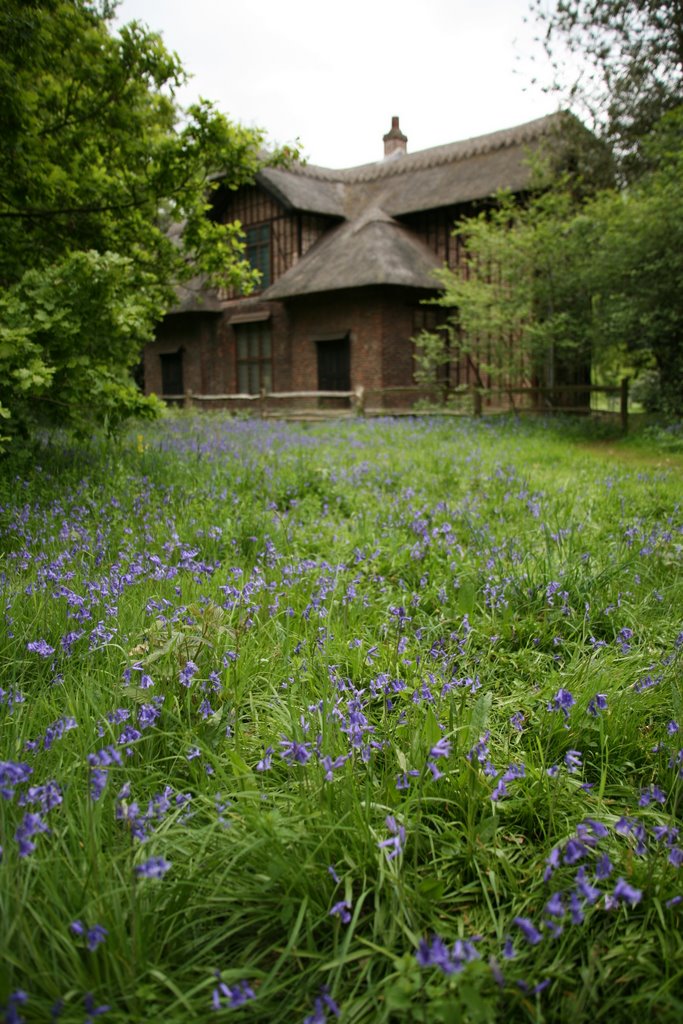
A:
x: 631, y: 58
x: 97, y: 162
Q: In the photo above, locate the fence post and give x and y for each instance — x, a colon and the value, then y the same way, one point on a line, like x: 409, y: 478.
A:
x: 358, y: 400
x: 623, y: 410
x: 188, y: 399
x: 476, y: 396
x: 262, y: 403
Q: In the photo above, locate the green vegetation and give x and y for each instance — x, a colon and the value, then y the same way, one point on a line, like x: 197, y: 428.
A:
x: 567, y: 278
x: 379, y: 718
x: 97, y: 161
x: 588, y: 270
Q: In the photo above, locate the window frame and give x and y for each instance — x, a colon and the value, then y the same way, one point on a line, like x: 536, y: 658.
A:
x: 253, y: 356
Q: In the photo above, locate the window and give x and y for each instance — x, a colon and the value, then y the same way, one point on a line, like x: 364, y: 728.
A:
x: 172, y: 373
x: 258, y: 251
x: 254, y: 358
x: 334, y: 364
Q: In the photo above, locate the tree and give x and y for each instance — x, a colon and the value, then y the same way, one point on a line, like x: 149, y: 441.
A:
x: 565, y: 279
x: 522, y: 309
x: 96, y: 162
x: 637, y: 265
x: 632, y: 52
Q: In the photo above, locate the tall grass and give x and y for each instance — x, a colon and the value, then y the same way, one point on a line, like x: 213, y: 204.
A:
x: 377, y: 720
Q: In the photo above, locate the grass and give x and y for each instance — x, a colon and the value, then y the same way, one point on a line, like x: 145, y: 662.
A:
x: 376, y: 719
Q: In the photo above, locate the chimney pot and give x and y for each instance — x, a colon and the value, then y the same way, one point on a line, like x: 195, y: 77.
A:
x: 395, y: 142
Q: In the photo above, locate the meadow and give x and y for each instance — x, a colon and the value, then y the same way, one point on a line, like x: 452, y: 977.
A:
x: 376, y: 721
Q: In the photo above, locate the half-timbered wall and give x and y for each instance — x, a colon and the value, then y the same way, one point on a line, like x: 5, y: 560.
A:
x: 291, y: 233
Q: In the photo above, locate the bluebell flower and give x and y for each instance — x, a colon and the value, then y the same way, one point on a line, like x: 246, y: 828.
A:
x: 293, y: 752
x: 517, y: 721
x: 442, y: 748
x: 234, y: 996
x: 98, y: 782
x: 603, y: 867
x: 323, y: 1003
x: 154, y: 867
x: 562, y: 701
x: 626, y: 893
x: 394, y: 845
x: 597, y: 704
x: 528, y: 930
x: 589, y: 892
x: 265, y: 763
x: 555, y: 906
x: 342, y: 910
x: 40, y: 647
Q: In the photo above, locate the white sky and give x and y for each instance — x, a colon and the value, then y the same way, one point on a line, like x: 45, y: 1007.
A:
x: 333, y: 74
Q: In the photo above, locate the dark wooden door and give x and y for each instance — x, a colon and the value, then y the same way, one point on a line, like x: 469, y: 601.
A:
x: 334, y: 365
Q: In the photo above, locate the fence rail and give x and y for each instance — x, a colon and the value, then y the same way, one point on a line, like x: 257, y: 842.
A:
x: 378, y: 401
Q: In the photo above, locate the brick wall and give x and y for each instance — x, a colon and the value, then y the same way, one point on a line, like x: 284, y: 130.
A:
x: 379, y: 323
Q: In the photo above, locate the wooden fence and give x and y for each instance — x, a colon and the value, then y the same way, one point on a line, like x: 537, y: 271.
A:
x: 415, y: 400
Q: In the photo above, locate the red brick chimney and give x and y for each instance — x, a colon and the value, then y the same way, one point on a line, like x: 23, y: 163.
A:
x: 394, y: 141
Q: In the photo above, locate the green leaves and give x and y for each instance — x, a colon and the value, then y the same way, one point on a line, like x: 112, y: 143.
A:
x: 97, y: 162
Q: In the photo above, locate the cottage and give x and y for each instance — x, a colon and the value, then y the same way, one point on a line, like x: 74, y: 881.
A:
x: 346, y: 260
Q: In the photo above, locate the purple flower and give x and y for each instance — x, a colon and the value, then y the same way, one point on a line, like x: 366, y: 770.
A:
x: 588, y: 891
x: 342, y: 911
x: 235, y: 996
x: 93, y: 937
x: 40, y: 647
x: 188, y: 672
x: 98, y: 782
x: 555, y: 906
x: 31, y: 825
x: 572, y: 759
x: 603, y: 867
x: 293, y: 752
x: 624, y: 891
x: 91, y: 1010
x: 14, y: 1001
x: 438, y: 954
x: 528, y: 930
x: 154, y: 867
x: 676, y: 856
x: 562, y: 701
x: 441, y: 749
x: 653, y: 793
x: 394, y: 845
x: 517, y: 721
x: 266, y: 761
x: 574, y: 851
x: 13, y: 773
x: 597, y: 704
x: 205, y: 709
x: 323, y: 1003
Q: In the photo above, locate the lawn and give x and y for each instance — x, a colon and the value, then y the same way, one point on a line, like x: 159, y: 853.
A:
x: 377, y: 721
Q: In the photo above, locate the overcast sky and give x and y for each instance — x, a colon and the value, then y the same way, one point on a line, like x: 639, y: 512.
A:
x: 333, y: 74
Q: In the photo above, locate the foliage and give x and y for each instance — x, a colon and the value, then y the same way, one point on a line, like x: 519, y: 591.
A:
x: 637, y: 265
x: 380, y: 715
x: 633, y: 56
x: 518, y: 310
x: 97, y: 161
x: 569, y: 278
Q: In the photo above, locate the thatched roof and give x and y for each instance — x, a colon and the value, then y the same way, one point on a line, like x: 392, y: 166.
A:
x: 459, y: 172
x: 374, y: 249
x: 369, y: 246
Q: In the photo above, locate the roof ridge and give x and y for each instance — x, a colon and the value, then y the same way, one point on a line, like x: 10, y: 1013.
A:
x: 433, y: 156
